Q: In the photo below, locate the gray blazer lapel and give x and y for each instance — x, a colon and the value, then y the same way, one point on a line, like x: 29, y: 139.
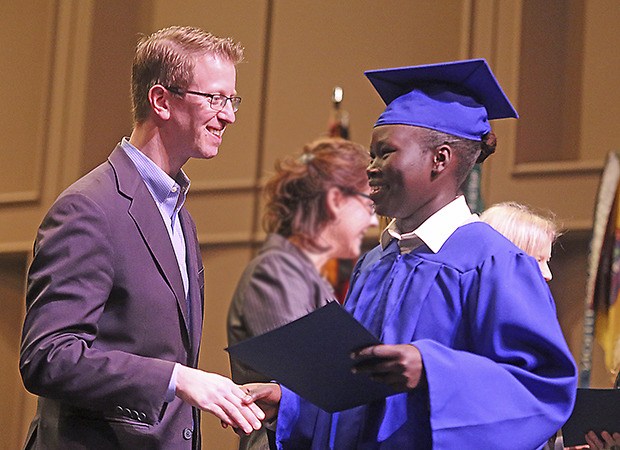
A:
x: 148, y: 220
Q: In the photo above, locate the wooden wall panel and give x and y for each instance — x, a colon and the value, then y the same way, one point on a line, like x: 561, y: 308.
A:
x: 14, y: 398
x: 25, y: 96
x: 601, y: 94
x: 550, y: 80
x: 564, y: 182
x: 317, y: 45
x: 107, y: 114
x: 219, y: 223
x: 51, y: 135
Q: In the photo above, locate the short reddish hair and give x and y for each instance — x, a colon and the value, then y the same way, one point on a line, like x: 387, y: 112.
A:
x: 167, y: 57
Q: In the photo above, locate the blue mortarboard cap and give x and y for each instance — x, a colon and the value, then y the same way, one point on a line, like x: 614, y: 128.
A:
x: 457, y: 98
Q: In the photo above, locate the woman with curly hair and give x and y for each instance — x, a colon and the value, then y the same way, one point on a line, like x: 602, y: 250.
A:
x: 317, y: 208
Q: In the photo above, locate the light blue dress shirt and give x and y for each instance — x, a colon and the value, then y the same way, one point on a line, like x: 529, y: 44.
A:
x: 169, y: 195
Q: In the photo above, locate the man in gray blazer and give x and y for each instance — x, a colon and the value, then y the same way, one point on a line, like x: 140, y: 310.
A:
x: 116, y: 290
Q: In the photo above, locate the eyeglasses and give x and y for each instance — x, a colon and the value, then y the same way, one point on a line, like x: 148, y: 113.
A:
x: 370, y: 206
x: 217, y: 101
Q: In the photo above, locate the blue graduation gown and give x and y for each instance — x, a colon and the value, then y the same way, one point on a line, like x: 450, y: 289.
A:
x: 499, y: 372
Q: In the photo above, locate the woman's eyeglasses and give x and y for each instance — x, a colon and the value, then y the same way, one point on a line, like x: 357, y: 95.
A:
x: 370, y: 205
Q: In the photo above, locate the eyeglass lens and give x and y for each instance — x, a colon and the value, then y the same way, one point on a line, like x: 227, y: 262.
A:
x: 219, y: 101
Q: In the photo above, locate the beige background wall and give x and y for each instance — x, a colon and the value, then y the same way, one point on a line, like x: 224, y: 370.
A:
x: 64, y: 86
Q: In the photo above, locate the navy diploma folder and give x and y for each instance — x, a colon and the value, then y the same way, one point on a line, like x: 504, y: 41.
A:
x: 311, y: 357
x: 595, y: 410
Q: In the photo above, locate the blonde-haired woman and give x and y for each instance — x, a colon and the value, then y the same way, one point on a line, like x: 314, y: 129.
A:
x: 531, y: 232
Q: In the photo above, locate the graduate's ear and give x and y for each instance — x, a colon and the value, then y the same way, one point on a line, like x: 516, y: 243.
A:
x: 334, y: 201
x: 442, y: 158
x: 159, y: 98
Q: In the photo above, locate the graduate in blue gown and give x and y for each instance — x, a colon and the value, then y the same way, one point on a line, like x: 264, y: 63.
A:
x: 470, y: 333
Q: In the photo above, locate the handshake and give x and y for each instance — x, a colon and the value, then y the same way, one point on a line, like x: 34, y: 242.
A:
x: 240, y: 407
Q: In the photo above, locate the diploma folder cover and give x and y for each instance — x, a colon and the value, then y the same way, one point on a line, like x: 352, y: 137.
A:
x: 595, y: 410
x: 311, y: 357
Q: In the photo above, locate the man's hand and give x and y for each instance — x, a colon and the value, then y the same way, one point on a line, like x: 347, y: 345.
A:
x: 399, y: 366
x: 265, y: 395
x: 220, y: 396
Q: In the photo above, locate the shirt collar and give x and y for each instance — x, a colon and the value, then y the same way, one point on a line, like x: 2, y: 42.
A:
x: 434, y: 231
x: 168, y: 192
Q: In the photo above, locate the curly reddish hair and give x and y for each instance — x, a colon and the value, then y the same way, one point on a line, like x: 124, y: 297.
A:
x: 296, y: 193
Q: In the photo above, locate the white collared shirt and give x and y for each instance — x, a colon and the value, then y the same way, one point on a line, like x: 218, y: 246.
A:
x: 434, y: 231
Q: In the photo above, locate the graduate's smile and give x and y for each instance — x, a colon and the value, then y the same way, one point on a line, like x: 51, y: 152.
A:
x: 375, y: 190
x: 379, y: 191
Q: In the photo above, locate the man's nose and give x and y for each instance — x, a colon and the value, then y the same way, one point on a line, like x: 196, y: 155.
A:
x: 226, y: 113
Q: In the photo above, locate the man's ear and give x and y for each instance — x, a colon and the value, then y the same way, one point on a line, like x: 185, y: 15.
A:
x: 442, y: 157
x: 159, y: 98
x: 334, y: 201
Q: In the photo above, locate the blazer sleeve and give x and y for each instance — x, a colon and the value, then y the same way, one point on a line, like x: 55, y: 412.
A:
x: 69, y: 287
x: 278, y: 291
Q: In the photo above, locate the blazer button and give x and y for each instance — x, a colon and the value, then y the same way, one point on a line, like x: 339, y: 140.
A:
x: 135, y: 415
x: 142, y: 417
x: 120, y: 410
x: 187, y: 434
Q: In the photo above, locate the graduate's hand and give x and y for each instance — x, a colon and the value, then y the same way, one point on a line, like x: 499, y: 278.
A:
x: 220, y: 396
x: 266, y: 395
x: 609, y: 441
x: 399, y: 366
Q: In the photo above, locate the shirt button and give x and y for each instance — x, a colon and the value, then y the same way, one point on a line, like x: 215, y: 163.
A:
x: 187, y: 434
x: 174, y: 189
